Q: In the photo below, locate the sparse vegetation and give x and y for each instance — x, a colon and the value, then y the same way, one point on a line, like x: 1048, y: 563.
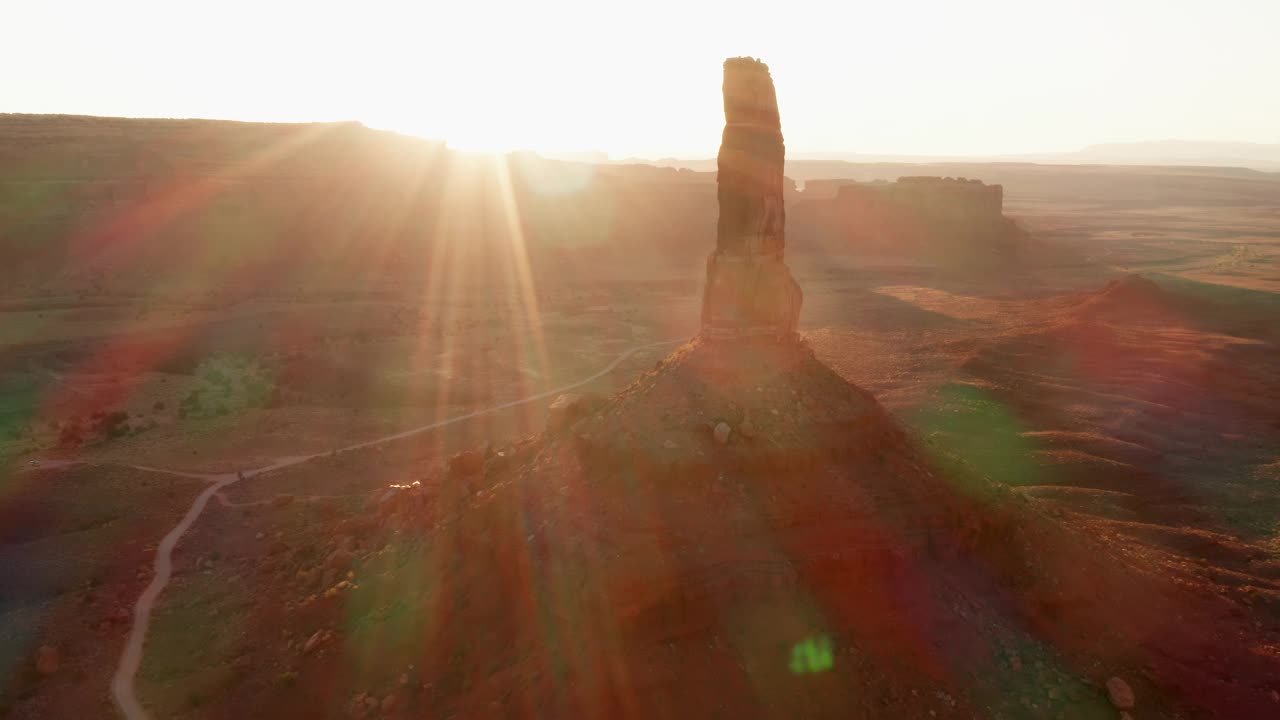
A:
x: 226, y: 385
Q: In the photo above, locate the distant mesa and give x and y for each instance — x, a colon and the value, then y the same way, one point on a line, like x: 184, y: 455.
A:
x: 954, y: 219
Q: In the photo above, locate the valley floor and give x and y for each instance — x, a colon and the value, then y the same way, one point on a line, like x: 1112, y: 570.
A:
x: 1141, y: 411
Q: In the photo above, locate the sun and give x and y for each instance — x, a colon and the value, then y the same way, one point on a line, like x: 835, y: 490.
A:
x: 478, y: 143
x: 493, y: 130
x: 487, y: 128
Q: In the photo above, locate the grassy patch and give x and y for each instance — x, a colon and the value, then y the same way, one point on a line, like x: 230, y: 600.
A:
x: 194, y: 637
x: 967, y: 431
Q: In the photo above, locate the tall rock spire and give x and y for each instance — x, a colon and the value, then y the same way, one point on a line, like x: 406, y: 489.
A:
x: 749, y: 289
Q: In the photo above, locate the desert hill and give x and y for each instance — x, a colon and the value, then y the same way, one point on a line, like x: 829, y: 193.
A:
x: 196, y: 207
x: 1132, y: 295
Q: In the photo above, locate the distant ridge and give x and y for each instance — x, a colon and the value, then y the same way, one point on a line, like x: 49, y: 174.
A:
x: 1190, y: 153
x: 1185, y: 152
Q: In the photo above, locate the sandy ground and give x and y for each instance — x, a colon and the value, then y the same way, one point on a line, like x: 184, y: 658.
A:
x: 1147, y: 418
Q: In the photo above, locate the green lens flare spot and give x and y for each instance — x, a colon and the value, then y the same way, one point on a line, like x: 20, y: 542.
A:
x: 813, y: 655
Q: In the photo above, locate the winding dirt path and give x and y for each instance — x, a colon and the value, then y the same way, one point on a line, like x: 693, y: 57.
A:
x: 122, y: 683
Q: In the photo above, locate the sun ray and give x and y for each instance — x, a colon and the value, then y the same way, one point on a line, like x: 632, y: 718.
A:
x: 518, y: 259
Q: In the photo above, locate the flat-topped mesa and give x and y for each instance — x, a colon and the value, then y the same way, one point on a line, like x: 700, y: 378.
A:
x: 750, y: 291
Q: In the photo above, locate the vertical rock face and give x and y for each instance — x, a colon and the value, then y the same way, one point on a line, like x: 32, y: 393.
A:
x: 749, y: 289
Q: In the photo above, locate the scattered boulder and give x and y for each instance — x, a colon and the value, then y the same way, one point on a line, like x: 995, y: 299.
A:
x: 569, y: 408
x: 340, y: 559
x: 327, y: 580
x: 383, y: 500
x: 1120, y: 693
x: 355, y: 528
x: 48, y: 660
x: 313, y: 642
x: 466, y: 463
x: 721, y: 433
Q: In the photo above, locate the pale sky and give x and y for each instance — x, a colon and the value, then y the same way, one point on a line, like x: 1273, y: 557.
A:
x: 643, y: 78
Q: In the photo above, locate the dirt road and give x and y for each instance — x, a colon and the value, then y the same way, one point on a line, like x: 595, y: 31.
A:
x: 122, y: 683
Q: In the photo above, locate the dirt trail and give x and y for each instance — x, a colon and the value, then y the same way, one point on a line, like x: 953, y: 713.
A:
x: 122, y: 683
x: 122, y: 689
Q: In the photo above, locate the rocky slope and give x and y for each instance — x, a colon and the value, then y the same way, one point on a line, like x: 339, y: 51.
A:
x: 639, y: 561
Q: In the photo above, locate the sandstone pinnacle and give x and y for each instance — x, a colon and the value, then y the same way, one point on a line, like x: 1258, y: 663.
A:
x: 749, y: 289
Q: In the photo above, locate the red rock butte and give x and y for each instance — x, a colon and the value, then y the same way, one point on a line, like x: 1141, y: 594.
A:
x: 749, y: 291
